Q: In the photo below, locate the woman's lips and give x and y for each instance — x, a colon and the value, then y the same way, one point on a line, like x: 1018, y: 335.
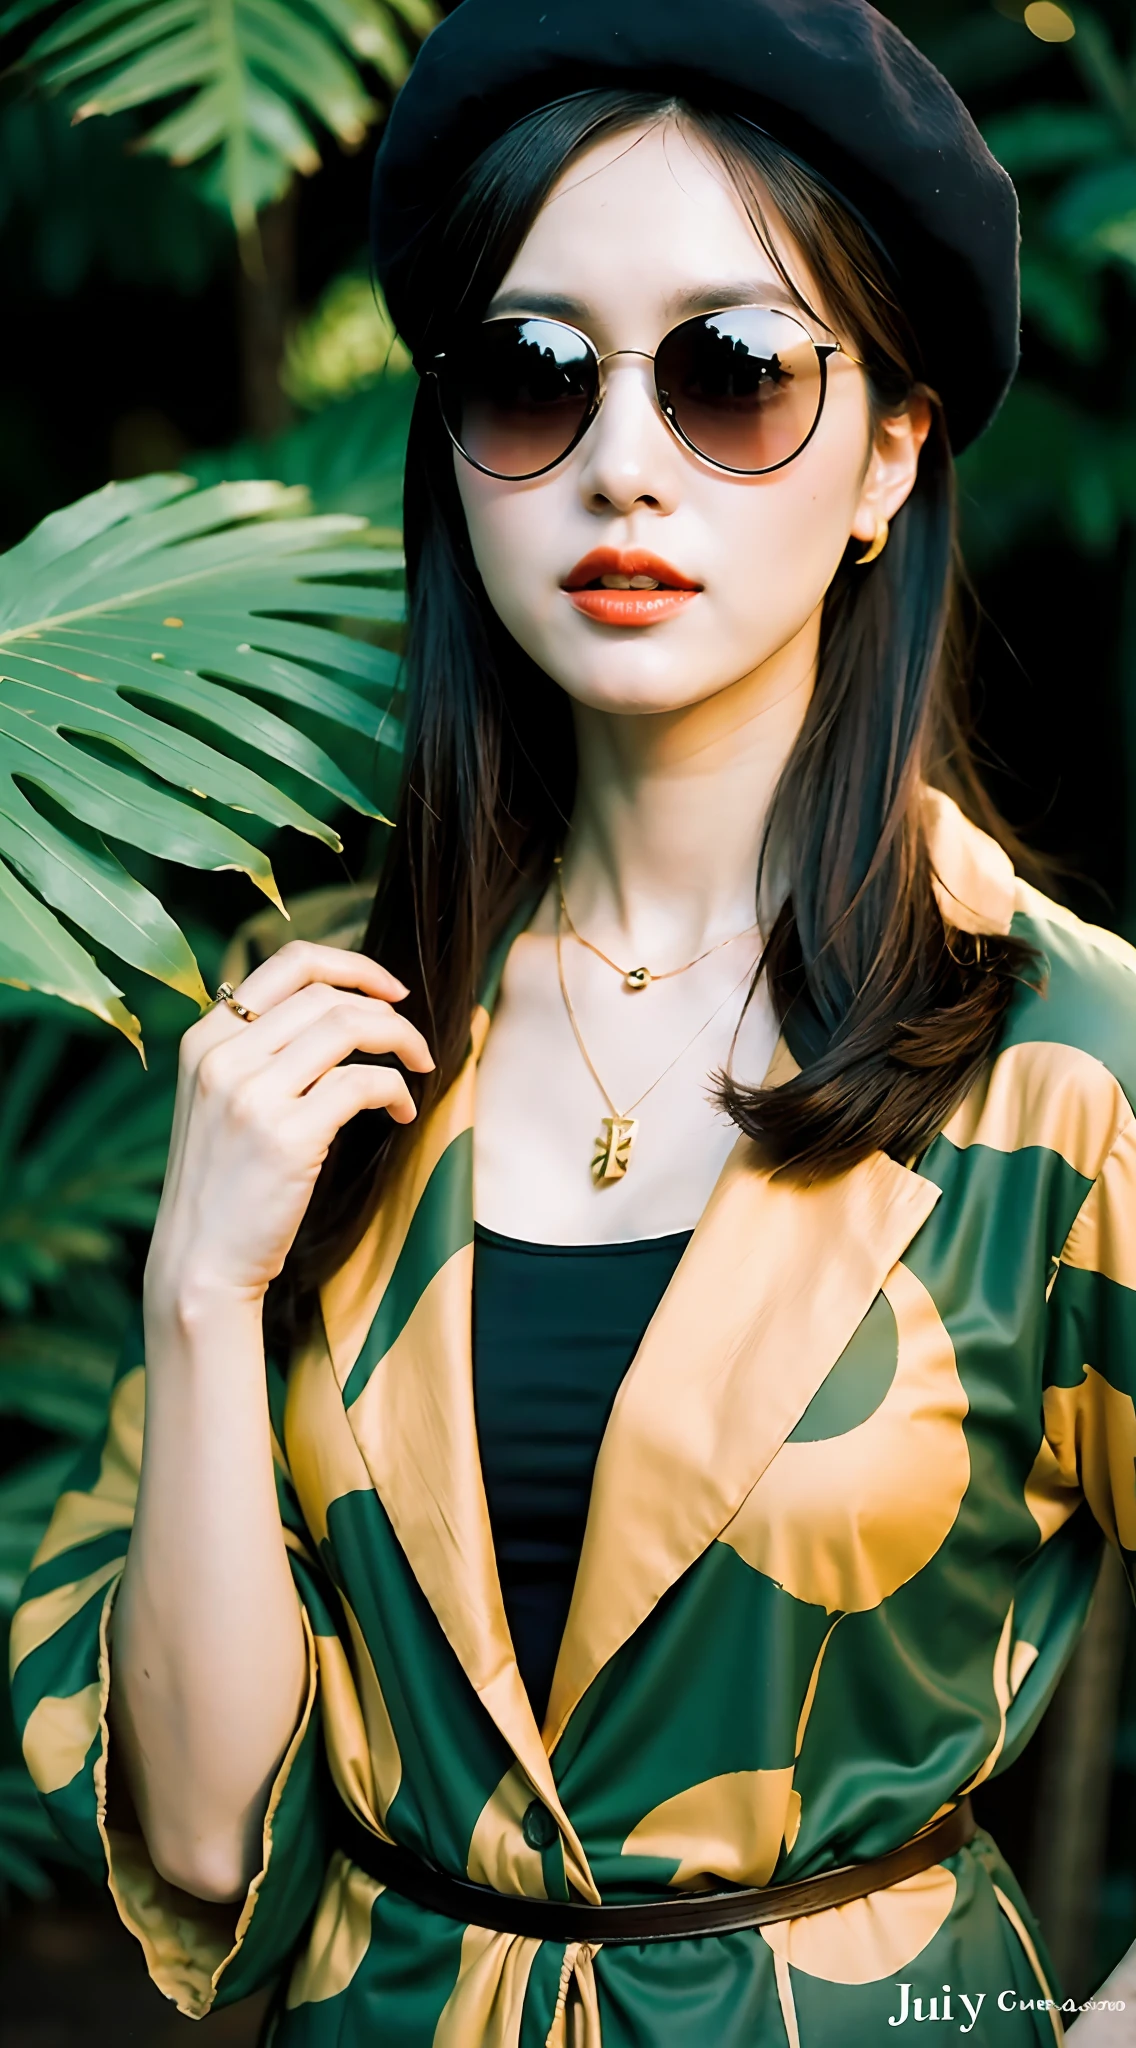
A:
x: 628, y: 587
x: 630, y: 607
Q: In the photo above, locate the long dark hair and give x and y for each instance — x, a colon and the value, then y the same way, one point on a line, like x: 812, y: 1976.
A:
x: 890, y: 1015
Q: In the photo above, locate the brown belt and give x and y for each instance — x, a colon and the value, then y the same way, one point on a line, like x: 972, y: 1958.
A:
x: 678, y: 1917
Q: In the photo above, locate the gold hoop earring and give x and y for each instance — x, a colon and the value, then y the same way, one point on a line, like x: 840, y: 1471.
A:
x: 877, y: 547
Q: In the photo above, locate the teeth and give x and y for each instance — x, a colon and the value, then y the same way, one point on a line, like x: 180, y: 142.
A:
x: 629, y: 583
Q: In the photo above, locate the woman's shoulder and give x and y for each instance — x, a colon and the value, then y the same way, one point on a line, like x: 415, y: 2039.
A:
x: 1064, y: 1074
x: 1083, y: 995
x: 1062, y: 1082
x: 1083, y: 992
x: 1063, y: 1079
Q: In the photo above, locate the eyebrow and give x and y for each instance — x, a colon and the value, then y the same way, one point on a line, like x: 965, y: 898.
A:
x: 711, y: 298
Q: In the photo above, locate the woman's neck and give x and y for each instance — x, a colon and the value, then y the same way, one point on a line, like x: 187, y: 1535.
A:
x: 671, y: 809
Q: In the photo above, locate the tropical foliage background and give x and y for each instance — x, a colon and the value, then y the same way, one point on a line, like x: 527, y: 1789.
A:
x: 198, y: 668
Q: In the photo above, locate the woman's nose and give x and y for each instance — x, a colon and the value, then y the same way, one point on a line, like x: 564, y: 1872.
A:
x: 629, y: 456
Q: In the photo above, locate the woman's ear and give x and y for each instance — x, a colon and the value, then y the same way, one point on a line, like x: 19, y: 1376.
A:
x: 892, y: 466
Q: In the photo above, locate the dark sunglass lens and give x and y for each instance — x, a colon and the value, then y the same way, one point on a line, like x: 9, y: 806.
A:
x: 744, y: 387
x: 518, y: 393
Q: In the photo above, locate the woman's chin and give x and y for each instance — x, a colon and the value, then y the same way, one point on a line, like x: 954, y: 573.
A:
x: 637, y: 696
x: 657, y: 670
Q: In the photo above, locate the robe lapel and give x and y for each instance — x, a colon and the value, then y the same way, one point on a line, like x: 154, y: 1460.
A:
x: 769, y: 1291
x: 398, y: 1324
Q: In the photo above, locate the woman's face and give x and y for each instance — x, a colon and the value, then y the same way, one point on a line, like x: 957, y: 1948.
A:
x: 641, y: 230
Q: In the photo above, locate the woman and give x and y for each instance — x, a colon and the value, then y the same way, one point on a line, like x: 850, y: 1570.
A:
x: 665, y: 1738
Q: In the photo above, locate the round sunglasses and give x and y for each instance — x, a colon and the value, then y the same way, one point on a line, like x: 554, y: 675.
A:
x: 744, y: 389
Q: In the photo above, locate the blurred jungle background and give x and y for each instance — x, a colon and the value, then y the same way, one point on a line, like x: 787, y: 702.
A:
x: 183, y: 197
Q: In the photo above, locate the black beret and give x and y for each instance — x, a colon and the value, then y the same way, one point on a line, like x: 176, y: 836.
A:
x: 832, y: 80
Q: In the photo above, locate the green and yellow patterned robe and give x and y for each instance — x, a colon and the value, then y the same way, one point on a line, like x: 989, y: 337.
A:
x: 844, y: 1530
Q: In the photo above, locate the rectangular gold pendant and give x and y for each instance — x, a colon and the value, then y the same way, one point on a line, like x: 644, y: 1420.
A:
x: 613, y: 1148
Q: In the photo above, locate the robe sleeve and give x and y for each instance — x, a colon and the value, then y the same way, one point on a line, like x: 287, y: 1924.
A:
x: 199, y: 1954
x: 1090, y: 1392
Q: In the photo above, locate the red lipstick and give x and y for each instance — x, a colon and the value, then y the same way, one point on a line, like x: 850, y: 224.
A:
x: 628, y: 587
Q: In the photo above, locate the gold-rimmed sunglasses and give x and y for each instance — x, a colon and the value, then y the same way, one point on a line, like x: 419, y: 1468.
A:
x: 743, y: 389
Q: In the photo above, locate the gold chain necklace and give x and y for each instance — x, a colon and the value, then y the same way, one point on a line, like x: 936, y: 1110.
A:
x: 636, y: 978
x: 617, y: 1133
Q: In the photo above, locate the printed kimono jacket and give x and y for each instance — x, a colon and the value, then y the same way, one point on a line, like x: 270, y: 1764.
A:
x: 845, y: 1525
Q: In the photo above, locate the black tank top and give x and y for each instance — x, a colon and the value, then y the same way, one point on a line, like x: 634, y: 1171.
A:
x: 555, y: 1328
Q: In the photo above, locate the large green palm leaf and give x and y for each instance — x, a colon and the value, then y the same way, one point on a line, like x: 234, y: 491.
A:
x: 244, y: 78
x: 165, y: 655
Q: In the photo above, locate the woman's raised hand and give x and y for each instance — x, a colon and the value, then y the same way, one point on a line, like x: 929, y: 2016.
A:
x: 257, y: 1107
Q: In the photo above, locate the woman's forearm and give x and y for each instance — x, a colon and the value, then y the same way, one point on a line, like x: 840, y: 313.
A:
x: 208, y: 1660
x: 207, y: 1666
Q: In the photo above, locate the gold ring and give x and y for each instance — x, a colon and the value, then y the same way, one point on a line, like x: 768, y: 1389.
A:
x: 225, y: 995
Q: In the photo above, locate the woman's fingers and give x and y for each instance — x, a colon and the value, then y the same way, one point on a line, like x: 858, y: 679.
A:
x: 281, y: 1022
x: 348, y: 1026
x: 282, y: 1026
x: 343, y: 1093
x: 299, y: 963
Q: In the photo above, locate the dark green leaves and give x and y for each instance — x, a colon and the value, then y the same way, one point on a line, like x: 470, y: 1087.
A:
x: 242, y: 80
x: 350, y: 456
x: 1047, y: 467
x: 71, y: 1181
x: 82, y: 1153
x: 1061, y: 457
x: 1097, y: 213
x: 1042, y: 138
